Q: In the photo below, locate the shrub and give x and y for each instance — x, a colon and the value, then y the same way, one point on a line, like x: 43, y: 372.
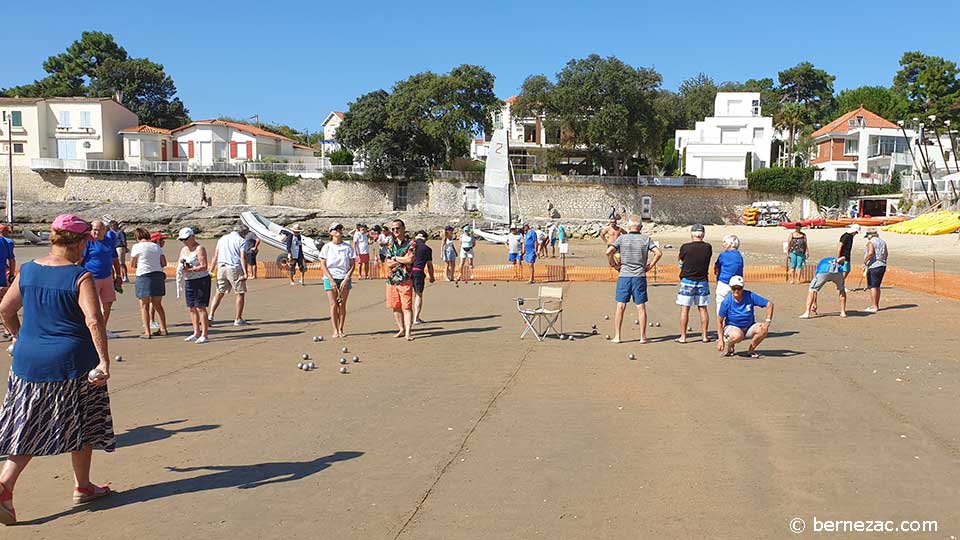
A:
x: 780, y: 179
x: 276, y: 181
x: 341, y: 157
x: 467, y: 165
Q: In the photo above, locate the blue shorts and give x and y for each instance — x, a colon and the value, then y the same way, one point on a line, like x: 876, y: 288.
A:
x: 631, y: 287
x: 513, y: 257
x: 197, y: 292
x: 797, y: 260
x: 530, y: 257
x: 553, y: 241
x: 845, y: 267
x: 328, y: 287
x: 693, y: 293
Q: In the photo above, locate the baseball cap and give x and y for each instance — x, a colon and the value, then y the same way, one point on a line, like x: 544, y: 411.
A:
x: 70, y: 223
x: 736, y: 281
x: 697, y: 228
x: 854, y: 228
x: 333, y: 226
x: 107, y: 218
x: 185, y: 233
x: 157, y: 236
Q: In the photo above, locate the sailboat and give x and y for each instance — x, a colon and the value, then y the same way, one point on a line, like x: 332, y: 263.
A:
x: 497, y: 210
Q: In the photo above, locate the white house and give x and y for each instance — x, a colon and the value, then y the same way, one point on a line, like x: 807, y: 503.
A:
x: 523, y: 134
x: 721, y: 145
x: 330, y: 125
x: 210, y: 141
x: 861, y: 146
x: 63, y: 128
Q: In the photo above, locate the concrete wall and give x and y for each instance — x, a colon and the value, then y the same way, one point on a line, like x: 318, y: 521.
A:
x: 572, y: 199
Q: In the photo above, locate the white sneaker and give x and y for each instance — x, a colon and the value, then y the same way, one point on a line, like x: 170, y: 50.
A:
x: 154, y: 325
x: 240, y: 322
x: 112, y: 335
x: 190, y: 338
x: 201, y: 339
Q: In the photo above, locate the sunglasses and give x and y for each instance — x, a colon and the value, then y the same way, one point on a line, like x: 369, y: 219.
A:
x: 396, y: 228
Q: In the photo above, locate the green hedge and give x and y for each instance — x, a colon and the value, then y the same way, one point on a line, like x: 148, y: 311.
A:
x: 797, y: 180
x: 341, y: 157
x: 276, y: 181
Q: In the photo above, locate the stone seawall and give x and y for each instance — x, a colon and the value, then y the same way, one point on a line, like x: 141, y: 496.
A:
x: 574, y: 200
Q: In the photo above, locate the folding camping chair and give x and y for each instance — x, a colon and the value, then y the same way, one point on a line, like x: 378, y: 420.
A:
x: 543, y: 317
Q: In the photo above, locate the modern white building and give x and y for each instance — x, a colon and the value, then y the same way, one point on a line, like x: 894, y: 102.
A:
x: 735, y: 140
x: 861, y: 146
x: 523, y: 134
x: 63, y: 128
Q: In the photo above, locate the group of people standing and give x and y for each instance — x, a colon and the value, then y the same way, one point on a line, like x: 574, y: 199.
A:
x: 630, y: 253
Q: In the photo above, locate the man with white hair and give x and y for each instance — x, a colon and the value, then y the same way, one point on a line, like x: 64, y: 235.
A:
x: 874, y: 265
x: 694, y: 285
x: 633, y: 249
x: 228, y: 260
x: 737, y: 322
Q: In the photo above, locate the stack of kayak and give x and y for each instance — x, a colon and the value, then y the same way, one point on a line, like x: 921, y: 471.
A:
x: 941, y: 222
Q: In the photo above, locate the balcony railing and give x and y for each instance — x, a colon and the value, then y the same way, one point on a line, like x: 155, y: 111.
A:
x: 148, y: 167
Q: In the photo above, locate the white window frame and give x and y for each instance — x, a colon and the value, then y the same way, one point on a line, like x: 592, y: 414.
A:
x: 847, y: 174
x: 86, y: 119
x: 150, y: 149
x: 134, y: 148
x: 183, y: 149
x: 847, y: 144
x: 8, y: 117
x: 757, y: 134
x: 63, y: 119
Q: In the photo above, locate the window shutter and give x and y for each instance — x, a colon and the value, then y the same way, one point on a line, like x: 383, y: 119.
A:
x: 233, y: 149
x: 190, y: 149
x: 250, y: 150
x: 176, y: 149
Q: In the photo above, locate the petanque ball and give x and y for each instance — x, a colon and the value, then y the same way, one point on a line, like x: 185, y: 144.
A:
x: 312, y: 365
x: 635, y: 321
x: 594, y: 327
x: 632, y: 356
x: 305, y: 356
x: 319, y: 338
x: 343, y: 360
x: 606, y: 317
x: 119, y: 359
x: 658, y: 325
x: 563, y: 336
x: 343, y: 350
x: 343, y: 370
x: 356, y: 359
x: 299, y: 365
x: 570, y: 338
x: 650, y: 325
x: 689, y: 329
x: 606, y: 336
x: 594, y: 331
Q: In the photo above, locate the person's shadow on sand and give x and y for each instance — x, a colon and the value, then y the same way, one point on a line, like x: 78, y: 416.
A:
x: 156, y: 432
x: 223, y: 476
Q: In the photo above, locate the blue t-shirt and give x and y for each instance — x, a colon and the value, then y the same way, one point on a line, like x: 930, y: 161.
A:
x: 530, y: 241
x: 98, y: 257
x: 731, y: 264
x: 112, y: 238
x: 6, y: 253
x: 828, y: 266
x: 740, y: 314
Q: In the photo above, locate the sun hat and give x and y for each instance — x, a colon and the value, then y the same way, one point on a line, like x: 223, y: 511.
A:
x: 334, y: 226
x: 70, y: 223
x: 736, y: 281
x: 185, y: 233
x: 296, y: 229
x: 157, y: 236
x: 854, y: 228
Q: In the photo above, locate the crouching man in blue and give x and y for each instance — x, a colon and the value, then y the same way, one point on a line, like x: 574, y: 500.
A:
x: 737, y: 322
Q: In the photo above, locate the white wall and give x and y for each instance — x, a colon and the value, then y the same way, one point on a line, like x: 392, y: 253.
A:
x: 31, y: 134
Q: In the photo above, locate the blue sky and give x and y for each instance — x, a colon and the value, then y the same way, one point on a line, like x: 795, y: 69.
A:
x: 293, y: 62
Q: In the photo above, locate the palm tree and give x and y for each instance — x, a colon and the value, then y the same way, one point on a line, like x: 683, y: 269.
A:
x: 791, y: 117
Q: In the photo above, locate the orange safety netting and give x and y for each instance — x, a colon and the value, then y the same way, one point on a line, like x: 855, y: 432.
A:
x: 933, y: 282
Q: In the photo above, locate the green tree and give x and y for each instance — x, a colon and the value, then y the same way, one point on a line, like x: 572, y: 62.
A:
x: 96, y: 66
x: 931, y: 85
x: 810, y: 87
x: 791, y: 117
x: 878, y: 99
x: 698, y: 95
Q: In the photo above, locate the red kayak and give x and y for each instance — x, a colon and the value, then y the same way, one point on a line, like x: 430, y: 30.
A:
x: 804, y: 223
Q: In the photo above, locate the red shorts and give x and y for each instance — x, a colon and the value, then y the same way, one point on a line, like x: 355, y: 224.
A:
x: 400, y: 296
x: 363, y: 258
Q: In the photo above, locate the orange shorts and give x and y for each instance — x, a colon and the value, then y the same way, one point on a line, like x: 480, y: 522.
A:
x: 400, y: 296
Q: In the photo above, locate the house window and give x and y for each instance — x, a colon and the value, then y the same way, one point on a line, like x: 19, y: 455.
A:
x: 14, y: 117
x: 851, y: 147
x: 401, y: 202
x: 729, y: 135
x: 757, y: 134
x: 134, y: 148
x: 846, y: 175
x: 242, y: 151
x: 17, y: 148
x: 220, y: 151
x: 65, y: 119
x: 85, y: 119
x: 151, y: 149
x: 183, y: 149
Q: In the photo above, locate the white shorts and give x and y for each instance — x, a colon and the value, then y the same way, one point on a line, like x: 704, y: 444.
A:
x: 722, y: 291
x: 464, y: 254
x: 752, y: 331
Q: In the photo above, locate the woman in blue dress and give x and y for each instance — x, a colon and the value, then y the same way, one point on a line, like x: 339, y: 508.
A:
x: 57, y: 399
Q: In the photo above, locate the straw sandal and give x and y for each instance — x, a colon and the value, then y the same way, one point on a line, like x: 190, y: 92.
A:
x: 90, y: 493
x: 8, y: 516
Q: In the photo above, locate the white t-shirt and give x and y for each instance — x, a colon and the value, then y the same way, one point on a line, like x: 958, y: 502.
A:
x: 541, y: 235
x: 552, y: 231
x: 338, y: 258
x: 513, y: 242
x: 148, y: 257
x: 384, y: 241
x: 362, y: 241
x: 230, y: 250
x: 466, y: 240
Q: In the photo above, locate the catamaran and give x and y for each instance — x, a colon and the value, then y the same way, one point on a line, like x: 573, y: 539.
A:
x: 497, y: 208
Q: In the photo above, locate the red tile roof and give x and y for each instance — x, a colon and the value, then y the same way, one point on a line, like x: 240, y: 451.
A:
x: 511, y: 99
x: 339, y: 114
x: 302, y: 146
x: 841, y: 125
x: 247, y: 128
x: 143, y: 128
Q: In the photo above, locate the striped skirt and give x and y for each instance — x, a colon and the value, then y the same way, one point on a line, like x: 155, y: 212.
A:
x: 49, y: 418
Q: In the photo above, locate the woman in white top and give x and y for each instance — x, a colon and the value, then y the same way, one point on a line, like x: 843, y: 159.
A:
x: 467, y: 243
x: 149, y: 260
x: 197, y: 284
x: 337, y: 261
x: 449, y: 252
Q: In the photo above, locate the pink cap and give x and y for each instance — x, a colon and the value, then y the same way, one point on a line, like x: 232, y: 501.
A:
x: 70, y: 223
